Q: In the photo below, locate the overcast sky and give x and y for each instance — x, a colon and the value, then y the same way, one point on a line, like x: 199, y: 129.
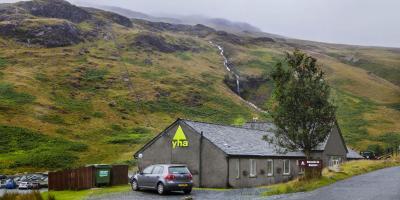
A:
x: 363, y: 22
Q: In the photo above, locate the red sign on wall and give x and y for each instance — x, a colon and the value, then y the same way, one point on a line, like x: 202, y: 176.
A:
x: 310, y: 163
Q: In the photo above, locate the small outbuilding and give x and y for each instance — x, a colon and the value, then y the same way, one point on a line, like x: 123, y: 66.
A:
x: 353, y: 155
x: 223, y: 156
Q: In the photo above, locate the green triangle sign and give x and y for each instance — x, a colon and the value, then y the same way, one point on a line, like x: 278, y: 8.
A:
x: 179, y: 139
x: 179, y: 134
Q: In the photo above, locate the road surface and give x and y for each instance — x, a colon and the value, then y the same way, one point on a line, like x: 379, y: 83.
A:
x: 383, y: 184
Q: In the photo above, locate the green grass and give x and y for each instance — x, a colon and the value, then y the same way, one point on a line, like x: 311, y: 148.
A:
x: 3, y: 63
x: 384, y: 70
x: 73, y: 104
x: 348, y: 169
x: 25, y: 196
x: 350, y: 110
x: 184, y: 56
x: 24, y: 148
x: 83, y: 194
x: 54, y: 119
x: 10, y: 98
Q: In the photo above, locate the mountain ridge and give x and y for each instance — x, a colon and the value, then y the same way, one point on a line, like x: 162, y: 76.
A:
x: 105, y: 95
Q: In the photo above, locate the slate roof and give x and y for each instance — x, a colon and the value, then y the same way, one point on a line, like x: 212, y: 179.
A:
x: 239, y: 141
x: 353, y: 154
x: 270, y: 127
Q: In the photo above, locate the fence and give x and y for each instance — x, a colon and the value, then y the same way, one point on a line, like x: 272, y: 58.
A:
x: 119, y: 175
x: 84, y: 178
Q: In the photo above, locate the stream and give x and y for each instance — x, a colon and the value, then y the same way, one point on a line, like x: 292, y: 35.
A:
x: 228, y: 67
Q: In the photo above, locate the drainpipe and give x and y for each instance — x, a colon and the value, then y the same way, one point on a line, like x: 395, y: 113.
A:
x: 227, y: 174
x: 200, y: 157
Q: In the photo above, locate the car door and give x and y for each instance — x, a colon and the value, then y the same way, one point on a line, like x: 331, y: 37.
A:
x: 155, y: 175
x: 143, y: 177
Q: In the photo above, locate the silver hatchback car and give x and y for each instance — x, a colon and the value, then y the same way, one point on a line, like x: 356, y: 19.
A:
x: 163, y: 178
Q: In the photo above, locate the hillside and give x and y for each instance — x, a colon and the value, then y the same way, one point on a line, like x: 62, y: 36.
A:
x: 82, y: 85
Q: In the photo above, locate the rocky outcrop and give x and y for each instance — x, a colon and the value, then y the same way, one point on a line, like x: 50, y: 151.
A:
x: 55, y: 9
x: 155, y: 42
x: 54, y: 34
x: 259, y: 40
x: 229, y: 37
x: 111, y: 17
x: 197, y: 30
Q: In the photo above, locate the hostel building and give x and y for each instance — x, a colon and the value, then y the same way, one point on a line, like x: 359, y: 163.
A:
x: 228, y: 156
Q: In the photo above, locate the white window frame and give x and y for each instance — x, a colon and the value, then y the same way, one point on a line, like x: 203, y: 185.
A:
x: 253, y: 173
x: 334, y: 161
x: 238, y: 169
x: 270, y: 173
x: 284, y: 167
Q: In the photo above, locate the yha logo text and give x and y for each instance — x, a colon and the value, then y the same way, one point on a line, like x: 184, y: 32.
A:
x: 179, y: 139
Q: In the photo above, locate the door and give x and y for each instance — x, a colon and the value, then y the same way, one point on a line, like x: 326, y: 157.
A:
x: 143, y: 177
x: 155, y: 176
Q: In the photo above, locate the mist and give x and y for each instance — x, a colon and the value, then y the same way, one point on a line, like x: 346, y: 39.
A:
x: 358, y: 22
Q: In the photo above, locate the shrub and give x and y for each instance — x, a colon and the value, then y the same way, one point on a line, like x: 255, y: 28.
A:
x: 3, y: 63
x: 47, y: 158
x: 53, y: 119
x: 98, y: 114
x: 93, y: 75
x: 35, y: 195
x: 141, y: 130
x: 9, y: 97
x: 37, y: 150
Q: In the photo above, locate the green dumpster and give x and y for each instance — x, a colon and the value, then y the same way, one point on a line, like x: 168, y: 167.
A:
x: 102, y: 175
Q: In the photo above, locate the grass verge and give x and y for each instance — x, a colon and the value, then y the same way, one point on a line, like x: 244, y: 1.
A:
x: 348, y: 169
x: 83, y: 194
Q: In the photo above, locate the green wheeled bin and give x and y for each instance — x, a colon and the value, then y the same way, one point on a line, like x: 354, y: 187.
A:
x: 102, y: 175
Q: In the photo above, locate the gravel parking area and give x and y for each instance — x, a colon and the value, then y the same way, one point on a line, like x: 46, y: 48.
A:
x: 251, y: 193
x: 382, y: 184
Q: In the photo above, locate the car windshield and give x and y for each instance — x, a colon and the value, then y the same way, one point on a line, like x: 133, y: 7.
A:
x: 178, y: 170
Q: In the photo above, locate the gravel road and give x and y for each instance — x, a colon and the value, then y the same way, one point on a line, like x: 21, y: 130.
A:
x: 243, y: 194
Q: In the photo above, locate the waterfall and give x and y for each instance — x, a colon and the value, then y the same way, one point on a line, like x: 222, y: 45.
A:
x: 226, y: 64
x: 229, y: 69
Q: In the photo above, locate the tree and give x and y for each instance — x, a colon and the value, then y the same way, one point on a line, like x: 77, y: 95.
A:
x: 302, y: 110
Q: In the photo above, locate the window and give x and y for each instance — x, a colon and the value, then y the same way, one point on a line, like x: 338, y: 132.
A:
x: 286, y: 167
x: 270, y: 167
x: 237, y: 168
x: 334, y: 161
x: 178, y: 170
x: 148, y: 170
x: 301, y: 168
x: 158, y: 170
x: 253, y: 168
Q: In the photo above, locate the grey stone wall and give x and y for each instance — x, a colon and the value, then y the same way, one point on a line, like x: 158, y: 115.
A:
x: 261, y: 177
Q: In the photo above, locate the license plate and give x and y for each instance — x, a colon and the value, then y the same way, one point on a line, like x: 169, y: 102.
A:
x: 182, y: 185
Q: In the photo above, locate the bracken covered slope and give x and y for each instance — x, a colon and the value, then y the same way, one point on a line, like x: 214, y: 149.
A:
x: 82, y: 85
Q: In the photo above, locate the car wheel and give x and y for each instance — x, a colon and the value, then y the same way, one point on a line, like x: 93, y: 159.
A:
x: 134, y: 185
x: 187, y: 191
x: 160, y: 189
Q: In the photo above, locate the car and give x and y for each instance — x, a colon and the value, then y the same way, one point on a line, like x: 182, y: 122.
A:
x: 44, y: 182
x: 34, y: 185
x: 2, y: 184
x: 163, y: 178
x: 368, y: 155
x: 10, y: 184
x: 23, y: 185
